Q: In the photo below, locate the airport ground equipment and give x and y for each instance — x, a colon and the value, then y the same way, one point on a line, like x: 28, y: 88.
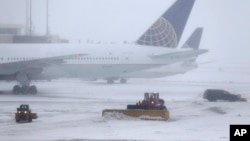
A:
x: 217, y: 94
x: 151, y: 107
x: 24, y: 114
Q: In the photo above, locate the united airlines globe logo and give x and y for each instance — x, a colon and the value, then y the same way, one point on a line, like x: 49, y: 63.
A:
x: 161, y: 33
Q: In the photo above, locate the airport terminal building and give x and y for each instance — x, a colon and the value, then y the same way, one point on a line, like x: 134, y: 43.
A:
x: 12, y: 33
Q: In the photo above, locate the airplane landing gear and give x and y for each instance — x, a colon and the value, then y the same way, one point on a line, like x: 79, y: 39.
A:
x: 110, y: 81
x: 16, y: 89
x: 123, y: 81
x: 24, y: 89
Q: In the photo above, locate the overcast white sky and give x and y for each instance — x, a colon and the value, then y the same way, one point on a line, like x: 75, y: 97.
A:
x: 226, y: 22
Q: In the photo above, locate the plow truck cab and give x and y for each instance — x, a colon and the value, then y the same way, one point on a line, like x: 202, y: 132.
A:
x: 151, y: 101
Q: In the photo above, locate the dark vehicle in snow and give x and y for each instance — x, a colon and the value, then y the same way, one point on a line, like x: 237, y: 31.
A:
x: 24, y: 114
x: 218, y: 94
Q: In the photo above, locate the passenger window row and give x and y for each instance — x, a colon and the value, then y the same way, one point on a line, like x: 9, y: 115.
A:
x: 94, y: 58
x: 75, y: 58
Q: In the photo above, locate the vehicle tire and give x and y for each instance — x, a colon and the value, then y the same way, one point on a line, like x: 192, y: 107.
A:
x: 16, y: 89
x: 32, y: 89
x: 211, y: 99
x: 30, y: 119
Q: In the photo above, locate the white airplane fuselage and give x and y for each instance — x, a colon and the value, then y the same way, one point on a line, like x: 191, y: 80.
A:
x: 97, y: 62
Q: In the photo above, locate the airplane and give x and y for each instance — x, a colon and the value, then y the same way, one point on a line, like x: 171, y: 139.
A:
x: 27, y: 62
x: 172, y: 69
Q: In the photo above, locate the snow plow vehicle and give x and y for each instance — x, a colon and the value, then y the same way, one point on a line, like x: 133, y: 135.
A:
x: 151, y: 108
x: 24, y: 114
x: 217, y: 94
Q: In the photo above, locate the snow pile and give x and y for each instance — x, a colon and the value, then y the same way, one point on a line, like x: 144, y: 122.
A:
x: 117, y: 116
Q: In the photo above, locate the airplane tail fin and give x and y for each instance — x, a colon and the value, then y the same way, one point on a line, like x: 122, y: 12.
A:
x: 194, y: 40
x: 168, y: 29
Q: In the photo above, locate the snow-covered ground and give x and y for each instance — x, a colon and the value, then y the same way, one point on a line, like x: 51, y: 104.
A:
x: 71, y: 109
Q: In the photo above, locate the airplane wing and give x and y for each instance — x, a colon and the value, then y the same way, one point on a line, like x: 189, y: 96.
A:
x: 180, y: 55
x: 36, y: 63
